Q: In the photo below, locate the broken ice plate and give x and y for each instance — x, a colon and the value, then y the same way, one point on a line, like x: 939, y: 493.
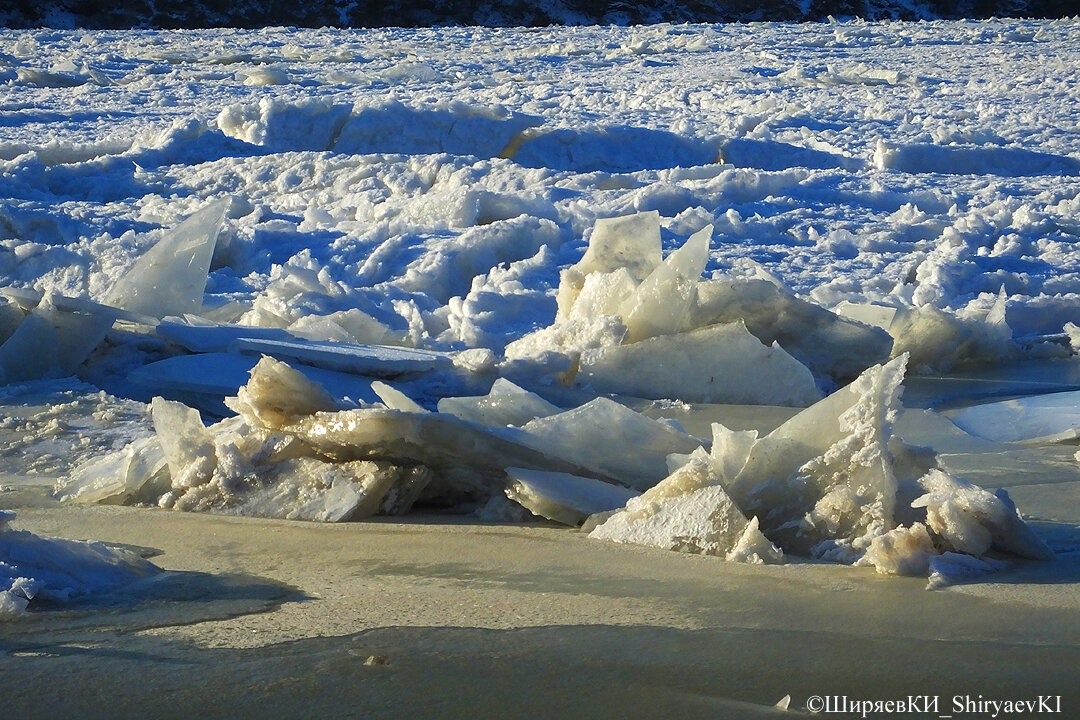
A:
x: 222, y: 374
x: 375, y: 360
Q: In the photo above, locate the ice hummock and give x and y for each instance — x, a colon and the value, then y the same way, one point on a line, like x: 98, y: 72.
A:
x: 293, y: 452
x: 35, y: 569
x: 833, y: 482
x: 623, y: 307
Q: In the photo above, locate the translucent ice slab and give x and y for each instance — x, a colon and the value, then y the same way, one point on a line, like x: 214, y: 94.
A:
x: 374, y: 360
x: 611, y: 439
x: 715, y: 364
x: 505, y: 404
x: 564, y: 498
x: 1034, y: 419
x: 170, y: 277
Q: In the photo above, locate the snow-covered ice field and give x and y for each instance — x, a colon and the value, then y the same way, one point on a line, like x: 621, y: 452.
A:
x: 453, y: 241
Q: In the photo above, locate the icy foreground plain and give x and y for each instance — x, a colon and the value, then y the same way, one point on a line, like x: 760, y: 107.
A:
x: 712, y: 214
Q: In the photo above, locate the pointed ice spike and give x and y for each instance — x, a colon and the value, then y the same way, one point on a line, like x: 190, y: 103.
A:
x: 395, y: 399
x: 170, y: 277
x: 661, y: 304
x: 762, y: 486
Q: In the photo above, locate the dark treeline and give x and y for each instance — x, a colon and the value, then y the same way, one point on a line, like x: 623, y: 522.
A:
x: 422, y: 13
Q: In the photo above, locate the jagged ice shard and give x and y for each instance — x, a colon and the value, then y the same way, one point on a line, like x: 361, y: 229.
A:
x: 505, y: 404
x: 689, y: 511
x: 584, y: 435
x: 170, y: 277
x: 54, y: 339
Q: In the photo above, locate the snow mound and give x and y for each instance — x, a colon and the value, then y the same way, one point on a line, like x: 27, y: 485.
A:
x: 950, y: 160
x: 458, y: 128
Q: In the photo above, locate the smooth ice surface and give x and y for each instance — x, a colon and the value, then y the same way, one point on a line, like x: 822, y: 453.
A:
x: 202, y: 336
x: 562, y: 497
x: 505, y: 404
x: 377, y: 360
x: 631, y: 242
x: 55, y: 570
x: 715, y: 364
x: 170, y: 277
x: 1038, y: 419
x: 217, y: 375
x: 583, y: 436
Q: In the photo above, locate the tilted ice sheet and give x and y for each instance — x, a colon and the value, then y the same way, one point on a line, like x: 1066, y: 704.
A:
x: 715, y: 364
x: 1042, y: 418
x: 55, y: 570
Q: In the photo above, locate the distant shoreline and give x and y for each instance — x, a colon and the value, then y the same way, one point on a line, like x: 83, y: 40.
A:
x: 201, y: 14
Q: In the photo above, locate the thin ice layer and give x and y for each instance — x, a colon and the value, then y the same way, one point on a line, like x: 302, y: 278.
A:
x: 564, y: 498
x: 1039, y: 419
x: 505, y: 404
x: 170, y: 277
x: 374, y: 360
x: 55, y: 570
x: 716, y: 364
